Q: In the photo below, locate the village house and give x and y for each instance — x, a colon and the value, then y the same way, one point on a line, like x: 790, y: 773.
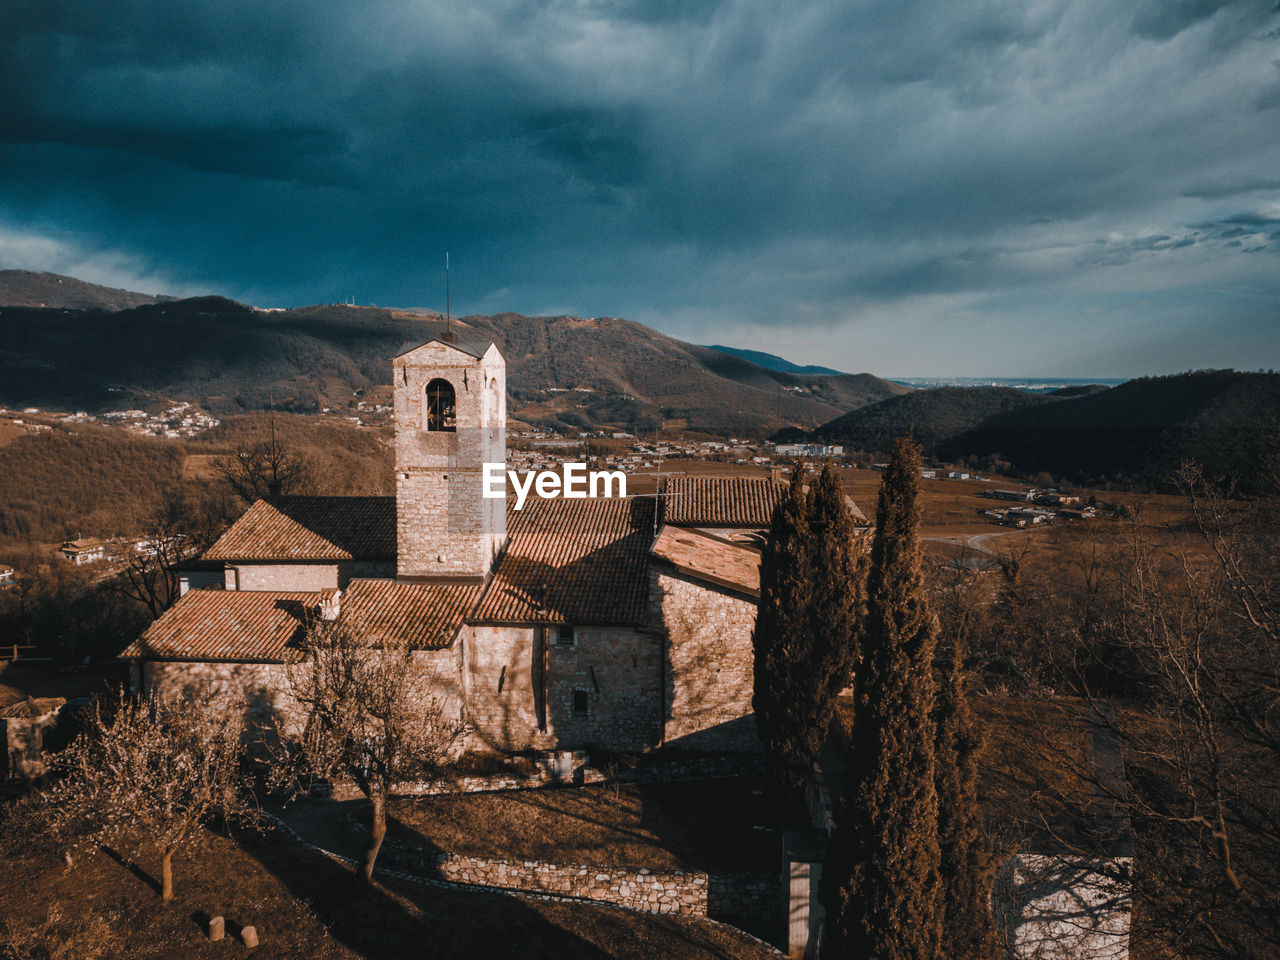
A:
x: 84, y: 550
x: 622, y: 624
x: 6, y: 575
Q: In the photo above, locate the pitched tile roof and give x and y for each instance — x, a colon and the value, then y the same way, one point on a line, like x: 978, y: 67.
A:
x: 720, y: 501
x: 32, y: 708
x: 311, y: 528
x: 704, y: 557
x: 230, y: 626
x: 727, y: 502
x: 425, y: 615
x: 573, y: 561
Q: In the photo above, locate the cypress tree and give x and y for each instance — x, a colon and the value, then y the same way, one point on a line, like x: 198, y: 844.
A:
x: 966, y: 862
x: 780, y: 638
x: 881, y: 885
x: 836, y: 600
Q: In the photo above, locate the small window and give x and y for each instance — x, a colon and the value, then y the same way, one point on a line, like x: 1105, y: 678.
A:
x: 564, y: 636
x: 580, y: 706
x: 441, y: 408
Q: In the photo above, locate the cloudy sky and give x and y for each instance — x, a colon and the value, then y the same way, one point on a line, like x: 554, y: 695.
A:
x: 986, y: 188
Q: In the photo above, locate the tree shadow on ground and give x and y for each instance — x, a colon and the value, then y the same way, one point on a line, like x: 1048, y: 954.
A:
x: 611, y: 931
x: 398, y: 920
x: 132, y: 867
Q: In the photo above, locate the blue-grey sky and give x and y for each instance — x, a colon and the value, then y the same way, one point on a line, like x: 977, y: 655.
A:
x: 983, y: 187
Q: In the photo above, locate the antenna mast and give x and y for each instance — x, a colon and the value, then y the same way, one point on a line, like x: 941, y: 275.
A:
x: 448, y: 316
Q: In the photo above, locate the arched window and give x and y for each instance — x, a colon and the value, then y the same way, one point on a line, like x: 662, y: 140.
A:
x: 441, y: 410
x: 493, y: 402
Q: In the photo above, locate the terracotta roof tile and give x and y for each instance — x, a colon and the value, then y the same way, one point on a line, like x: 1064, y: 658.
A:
x: 311, y: 528
x: 78, y: 546
x: 727, y: 502
x: 573, y: 561
x: 709, y: 558
x: 719, y: 501
x: 233, y: 626
x: 426, y: 615
x: 32, y: 708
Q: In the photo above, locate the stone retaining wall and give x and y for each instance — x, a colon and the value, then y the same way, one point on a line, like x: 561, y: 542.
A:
x: 666, y: 771
x: 746, y: 895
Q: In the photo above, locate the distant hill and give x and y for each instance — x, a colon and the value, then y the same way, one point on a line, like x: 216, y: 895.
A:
x: 771, y: 361
x: 1136, y: 433
x: 1077, y: 390
x: 565, y: 372
x: 934, y: 416
x: 1140, y: 431
x: 24, y: 288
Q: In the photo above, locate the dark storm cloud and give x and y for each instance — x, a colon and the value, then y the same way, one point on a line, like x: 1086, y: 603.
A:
x: 1230, y: 188
x: 705, y: 167
x: 1162, y: 19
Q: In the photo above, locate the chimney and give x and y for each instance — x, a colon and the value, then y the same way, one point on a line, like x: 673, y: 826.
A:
x: 330, y: 603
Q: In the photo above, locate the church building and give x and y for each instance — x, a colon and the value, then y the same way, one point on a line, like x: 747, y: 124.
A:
x: 622, y: 624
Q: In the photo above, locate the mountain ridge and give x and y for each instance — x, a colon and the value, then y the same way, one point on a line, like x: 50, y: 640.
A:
x: 771, y: 361
x: 29, y: 288
x: 568, y: 373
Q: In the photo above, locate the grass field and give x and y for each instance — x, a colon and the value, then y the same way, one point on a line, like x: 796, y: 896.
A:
x: 952, y: 509
x: 10, y: 432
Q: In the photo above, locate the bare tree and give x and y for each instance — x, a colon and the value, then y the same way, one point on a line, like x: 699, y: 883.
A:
x: 1167, y: 638
x: 267, y: 469
x: 370, y: 715
x: 149, y: 772
x: 181, y: 526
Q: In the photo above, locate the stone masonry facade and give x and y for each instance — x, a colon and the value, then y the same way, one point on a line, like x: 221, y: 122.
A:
x: 262, y: 690
x: 444, y: 525
x: 302, y: 576
x: 710, y: 674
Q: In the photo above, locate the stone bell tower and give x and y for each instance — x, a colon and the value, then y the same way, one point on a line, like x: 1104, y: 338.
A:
x: 451, y: 415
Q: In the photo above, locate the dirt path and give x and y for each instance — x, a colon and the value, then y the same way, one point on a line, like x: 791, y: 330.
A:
x: 977, y: 543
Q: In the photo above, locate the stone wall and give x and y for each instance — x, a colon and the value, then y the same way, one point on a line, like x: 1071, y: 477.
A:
x: 264, y: 687
x: 709, y: 670
x: 655, y: 769
x: 755, y: 896
x: 1063, y: 908
x: 303, y: 576
x: 619, y: 670
x: 281, y: 576
x: 498, y: 671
